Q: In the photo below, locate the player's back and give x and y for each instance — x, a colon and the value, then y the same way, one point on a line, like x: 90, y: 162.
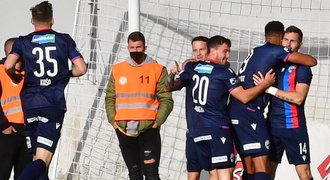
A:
x: 45, y: 54
x: 261, y: 59
x: 209, y: 86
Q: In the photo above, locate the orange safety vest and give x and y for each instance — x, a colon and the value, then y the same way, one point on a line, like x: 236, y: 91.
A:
x: 10, y: 98
x: 135, y: 88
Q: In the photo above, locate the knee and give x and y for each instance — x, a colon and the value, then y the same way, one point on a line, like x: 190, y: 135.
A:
x: 148, y: 158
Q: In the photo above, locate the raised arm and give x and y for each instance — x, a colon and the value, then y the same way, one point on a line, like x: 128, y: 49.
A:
x: 303, y: 59
x: 10, y: 68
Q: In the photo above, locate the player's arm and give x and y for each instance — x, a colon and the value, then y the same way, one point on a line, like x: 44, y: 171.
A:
x: 303, y: 59
x: 79, y: 67
x: 297, y: 97
x: 10, y: 68
x: 246, y: 95
x: 173, y: 84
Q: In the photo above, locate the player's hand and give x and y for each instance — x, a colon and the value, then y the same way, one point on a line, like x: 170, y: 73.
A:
x: 9, y: 130
x: 270, y: 77
x: 16, y: 78
x: 176, y: 69
x: 268, y: 80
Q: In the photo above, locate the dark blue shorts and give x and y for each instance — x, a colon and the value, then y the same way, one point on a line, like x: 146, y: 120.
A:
x: 214, y: 147
x: 43, y: 128
x: 294, y: 141
x: 193, y: 164
x: 251, y: 131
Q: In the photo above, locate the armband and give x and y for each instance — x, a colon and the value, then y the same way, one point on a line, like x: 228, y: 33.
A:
x: 271, y: 90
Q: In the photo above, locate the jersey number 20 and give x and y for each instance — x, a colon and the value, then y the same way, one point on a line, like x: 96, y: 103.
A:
x: 40, y: 52
x: 202, y: 84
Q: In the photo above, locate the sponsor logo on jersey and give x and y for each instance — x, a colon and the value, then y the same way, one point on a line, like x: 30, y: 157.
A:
x: 28, y: 142
x: 38, y: 118
x: 235, y: 121
x: 206, y: 68
x: 43, y: 39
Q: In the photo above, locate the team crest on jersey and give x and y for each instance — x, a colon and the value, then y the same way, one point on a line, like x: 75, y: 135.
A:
x: 122, y: 80
x: 43, y: 39
x: 204, y: 68
x: 291, y: 69
x: 286, y: 49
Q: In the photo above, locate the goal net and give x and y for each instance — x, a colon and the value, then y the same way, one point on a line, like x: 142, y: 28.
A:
x: 89, y: 149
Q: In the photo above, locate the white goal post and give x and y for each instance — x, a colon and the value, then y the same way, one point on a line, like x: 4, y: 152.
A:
x: 89, y: 149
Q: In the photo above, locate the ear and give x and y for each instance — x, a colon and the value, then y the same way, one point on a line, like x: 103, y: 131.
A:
x: 32, y: 22
x: 145, y: 48
x: 52, y: 21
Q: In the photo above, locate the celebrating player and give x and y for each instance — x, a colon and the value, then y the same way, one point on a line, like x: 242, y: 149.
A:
x: 248, y: 119
x: 45, y: 54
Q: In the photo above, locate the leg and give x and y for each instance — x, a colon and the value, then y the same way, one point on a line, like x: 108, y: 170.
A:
x: 262, y: 167
x: 304, y: 171
x: 6, y: 153
x: 151, y: 145
x: 273, y: 167
x: 130, y: 150
x: 194, y: 175
x: 225, y: 174
x: 214, y: 175
x: 23, y: 157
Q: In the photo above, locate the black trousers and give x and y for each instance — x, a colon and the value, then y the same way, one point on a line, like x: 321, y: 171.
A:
x: 13, y: 153
x: 136, y: 150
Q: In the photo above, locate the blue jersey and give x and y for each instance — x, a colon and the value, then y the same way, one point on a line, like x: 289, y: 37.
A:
x: 45, y: 54
x: 261, y: 59
x: 284, y: 114
x: 208, y: 87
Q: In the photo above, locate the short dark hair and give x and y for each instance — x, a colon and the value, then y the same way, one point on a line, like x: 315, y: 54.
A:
x: 8, y: 42
x: 295, y: 29
x: 136, y: 36
x: 199, y: 38
x: 216, y: 41
x: 42, y: 12
x: 274, y: 27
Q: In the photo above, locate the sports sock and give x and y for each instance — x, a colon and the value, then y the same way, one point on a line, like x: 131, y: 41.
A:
x: 33, y: 170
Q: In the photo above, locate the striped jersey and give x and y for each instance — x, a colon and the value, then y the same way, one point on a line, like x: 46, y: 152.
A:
x: 283, y: 114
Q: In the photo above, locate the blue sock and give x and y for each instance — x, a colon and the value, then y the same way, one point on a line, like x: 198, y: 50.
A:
x: 44, y: 176
x: 261, y: 176
x: 249, y: 176
x: 33, y: 170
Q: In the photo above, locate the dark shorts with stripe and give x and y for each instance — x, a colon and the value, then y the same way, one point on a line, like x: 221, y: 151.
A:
x: 43, y: 128
x: 214, y: 147
x: 294, y: 141
x: 250, y: 130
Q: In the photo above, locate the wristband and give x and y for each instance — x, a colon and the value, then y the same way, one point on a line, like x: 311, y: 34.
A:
x: 271, y: 90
